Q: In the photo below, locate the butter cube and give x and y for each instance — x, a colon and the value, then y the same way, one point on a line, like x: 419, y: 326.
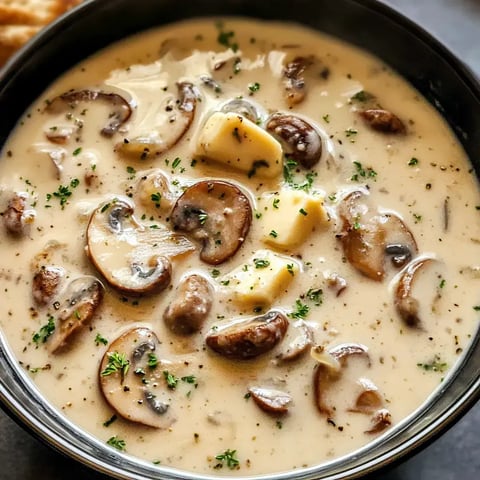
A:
x: 234, y: 140
x: 289, y: 216
x: 262, y: 279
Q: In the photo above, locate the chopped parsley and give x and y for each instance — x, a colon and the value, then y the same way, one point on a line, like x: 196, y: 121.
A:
x: 273, y: 234
x: 254, y: 87
x: 226, y: 38
x: 436, y: 365
x: 176, y: 162
x: 202, y: 218
x: 117, y: 362
x: 326, y: 118
x: 315, y: 296
x: 276, y: 201
x: 63, y: 192
x: 191, y: 379
x: 152, y: 360
x: 350, y: 132
x: 156, y: 198
x: 290, y: 168
x: 117, y: 443
x: 362, y: 96
x: 77, y: 151
x: 45, y: 331
x: 261, y: 263
x: 171, y: 379
x: 290, y: 269
x: 215, y: 273
x: 228, y: 457
x: 361, y: 172
x: 100, y: 340
x: 108, y: 422
x: 413, y: 161
x: 300, y: 311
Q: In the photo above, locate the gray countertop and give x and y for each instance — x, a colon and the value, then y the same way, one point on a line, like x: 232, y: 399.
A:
x: 456, y: 455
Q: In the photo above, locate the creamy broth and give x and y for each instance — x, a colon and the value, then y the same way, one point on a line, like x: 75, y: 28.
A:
x: 420, y: 175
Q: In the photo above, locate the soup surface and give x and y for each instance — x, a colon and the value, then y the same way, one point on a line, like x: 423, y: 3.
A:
x: 236, y: 248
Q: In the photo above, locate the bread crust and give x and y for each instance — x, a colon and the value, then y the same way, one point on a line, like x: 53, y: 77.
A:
x: 20, y: 20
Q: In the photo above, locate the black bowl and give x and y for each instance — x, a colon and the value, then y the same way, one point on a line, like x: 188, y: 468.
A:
x: 425, y: 63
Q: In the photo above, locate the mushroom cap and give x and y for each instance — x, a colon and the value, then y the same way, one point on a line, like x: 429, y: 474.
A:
x: 368, y: 236
x: 216, y: 213
x: 248, y: 337
x: 300, y: 139
x: 190, y: 305
x: 121, y: 109
x: 136, y: 391
x: 271, y: 400
x: 133, y: 258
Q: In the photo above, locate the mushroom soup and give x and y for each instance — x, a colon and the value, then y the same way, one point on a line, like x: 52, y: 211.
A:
x: 237, y: 247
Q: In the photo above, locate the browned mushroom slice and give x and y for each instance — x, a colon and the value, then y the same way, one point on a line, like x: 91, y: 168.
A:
x: 369, y: 400
x: 190, y: 306
x: 163, y: 137
x: 81, y: 300
x: 299, y: 138
x: 342, y: 352
x: 407, y: 306
x: 215, y: 213
x: 294, y: 80
x: 368, y: 236
x: 329, y: 369
x: 133, y: 258
x: 381, y: 420
x: 17, y: 217
x: 383, y: 121
x: 400, y: 243
x: 131, y: 385
x: 271, y: 400
x: 248, y: 337
x: 361, y: 236
x: 45, y: 283
x: 121, y: 110
x: 301, y: 343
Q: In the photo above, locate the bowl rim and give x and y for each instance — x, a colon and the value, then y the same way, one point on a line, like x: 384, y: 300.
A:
x: 42, y: 420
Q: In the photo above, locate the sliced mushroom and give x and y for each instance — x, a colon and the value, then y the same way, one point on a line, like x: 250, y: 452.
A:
x: 17, y: 217
x: 121, y: 110
x: 153, y: 191
x: 367, y: 236
x: 243, y: 107
x: 190, y: 306
x: 301, y: 343
x: 300, y: 139
x: 369, y: 400
x: 381, y: 420
x: 407, y: 306
x: 133, y: 258
x: 383, y: 121
x: 164, y: 137
x: 329, y: 369
x: 294, y: 80
x: 271, y: 400
x: 217, y: 214
x: 248, y: 337
x: 81, y: 300
x: 342, y: 352
x: 45, y: 284
x: 133, y: 388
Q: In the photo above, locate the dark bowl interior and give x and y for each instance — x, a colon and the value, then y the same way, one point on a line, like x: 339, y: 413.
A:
x: 431, y: 68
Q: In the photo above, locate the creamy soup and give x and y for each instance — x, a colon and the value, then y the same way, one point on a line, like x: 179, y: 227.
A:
x: 236, y: 248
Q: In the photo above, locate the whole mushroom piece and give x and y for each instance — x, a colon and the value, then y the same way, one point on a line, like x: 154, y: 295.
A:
x: 18, y: 216
x: 190, y: 306
x: 300, y: 139
x: 133, y: 258
x: 129, y: 383
x: 246, y: 338
x: 215, y: 213
x: 369, y: 236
